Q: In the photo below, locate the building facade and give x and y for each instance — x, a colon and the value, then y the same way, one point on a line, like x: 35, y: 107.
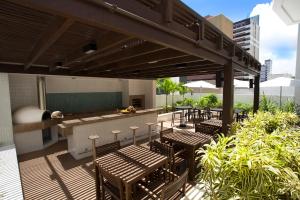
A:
x: 266, y: 70
x: 246, y: 34
x: 223, y: 23
x: 288, y: 11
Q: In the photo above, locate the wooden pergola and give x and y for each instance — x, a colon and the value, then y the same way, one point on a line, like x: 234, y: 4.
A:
x: 134, y: 39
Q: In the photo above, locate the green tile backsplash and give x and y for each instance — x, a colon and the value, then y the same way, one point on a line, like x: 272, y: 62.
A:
x: 83, y: 102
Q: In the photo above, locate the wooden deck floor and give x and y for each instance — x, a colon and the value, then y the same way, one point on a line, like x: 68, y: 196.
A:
x: 54, y: 174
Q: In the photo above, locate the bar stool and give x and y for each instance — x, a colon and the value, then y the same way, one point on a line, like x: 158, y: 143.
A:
x: 174, y: 116
x: 149, y: 124
x: 161, y: 124
x: 94, y: 138
x: 116, y: 132
x: 134, y: 128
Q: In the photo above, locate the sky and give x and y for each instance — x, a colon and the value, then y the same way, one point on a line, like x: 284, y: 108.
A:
x: 278, y: 41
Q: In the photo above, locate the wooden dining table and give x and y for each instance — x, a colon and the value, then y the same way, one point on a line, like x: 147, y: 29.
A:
x: 213, y: 126
x: 191, y: 141
x: 130, y: 164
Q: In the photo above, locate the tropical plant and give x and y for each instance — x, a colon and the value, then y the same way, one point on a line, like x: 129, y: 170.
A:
x: 173, y: 89
x: 183, y: 89
x: 210, y: 101
x: 256, y: 162
x: 165, y: 85
x: 289, y: 106
x: 246, y: 107
x: 267, y: 105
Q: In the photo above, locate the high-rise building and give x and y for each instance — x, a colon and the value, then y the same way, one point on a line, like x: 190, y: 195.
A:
x: 246, y: 34
x: 266, y: 70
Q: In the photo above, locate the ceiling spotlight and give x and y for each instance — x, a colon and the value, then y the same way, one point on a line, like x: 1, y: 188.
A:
x: 58, y: 64
x: 90, y: 48
x: 108, y: 70
x: 153, y: 62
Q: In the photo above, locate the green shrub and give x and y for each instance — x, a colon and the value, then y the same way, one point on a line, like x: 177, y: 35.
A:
x: 187, y: 102
x: 210, y: 101
x: 267, y: 105
x: 246, y: 107
x: 255, y: 163
x: 289, y: 106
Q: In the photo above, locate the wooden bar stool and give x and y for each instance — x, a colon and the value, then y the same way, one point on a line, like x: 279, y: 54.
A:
x: 161, y: 124
x: 94, y: 138
x: 134, y: 128
x: 149, y: 124
x: 116, y: 132
x: 97, y: 182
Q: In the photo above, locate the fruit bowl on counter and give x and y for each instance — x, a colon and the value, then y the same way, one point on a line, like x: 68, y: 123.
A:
x: 128, y: 110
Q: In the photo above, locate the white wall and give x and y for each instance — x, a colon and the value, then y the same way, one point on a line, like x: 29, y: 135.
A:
x: 239, y: 96
x: 23, y: 90
x: 28, y: 141
x: 6, y: 130
x: 64, y: 84
x: 297, y: 90
x: 144, y: 87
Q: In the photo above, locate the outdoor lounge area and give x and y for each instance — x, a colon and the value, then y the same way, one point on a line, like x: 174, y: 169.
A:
x: 79, y: 119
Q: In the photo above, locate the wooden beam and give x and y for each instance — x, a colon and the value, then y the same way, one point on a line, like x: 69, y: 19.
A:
x: 170, y: 69
x: 107, y: 44
x: 256, y: 94
x: 127, y: 22
x: 221, y: 42
x: 161, y: 75
x: 233, y: 50
x: 125, y: 54
x: 228, y: 92
x: 162, y: 55
x: 167, y: 11
x: 48, y: 38
x: 181, y: 71
x: 167, y: 63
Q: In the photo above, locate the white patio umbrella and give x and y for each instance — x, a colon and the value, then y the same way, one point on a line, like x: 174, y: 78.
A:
x: 241, y: 84
x: 280, y: 82
x: 199, y: 84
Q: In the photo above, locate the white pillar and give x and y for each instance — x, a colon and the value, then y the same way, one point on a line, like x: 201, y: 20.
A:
x: 6, y: 128
x: 297, y: 88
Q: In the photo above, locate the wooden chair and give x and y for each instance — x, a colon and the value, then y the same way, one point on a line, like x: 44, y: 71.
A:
x: 174, y: 116
x: 175, y: 160
x: 207, y: 129
x: 166, y: 131
x: 99, y: 151
x: 111, y: 184
x: 172, y: 190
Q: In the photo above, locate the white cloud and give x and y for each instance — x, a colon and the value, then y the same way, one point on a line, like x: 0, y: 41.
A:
x: 278, y: 41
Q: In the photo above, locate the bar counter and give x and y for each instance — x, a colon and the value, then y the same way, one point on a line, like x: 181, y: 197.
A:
x: 78, y: 130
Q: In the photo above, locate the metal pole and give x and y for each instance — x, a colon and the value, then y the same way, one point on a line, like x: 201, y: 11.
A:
x: 280, y: 96
x: 256, y: 94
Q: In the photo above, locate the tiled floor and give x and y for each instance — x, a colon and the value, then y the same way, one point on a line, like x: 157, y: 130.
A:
x: 54, y: 174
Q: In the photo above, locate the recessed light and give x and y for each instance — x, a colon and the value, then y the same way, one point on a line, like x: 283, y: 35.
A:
x: 108, y: 70
x: 58, y: 64
x: 152, y: 62
x: 90, y: 48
